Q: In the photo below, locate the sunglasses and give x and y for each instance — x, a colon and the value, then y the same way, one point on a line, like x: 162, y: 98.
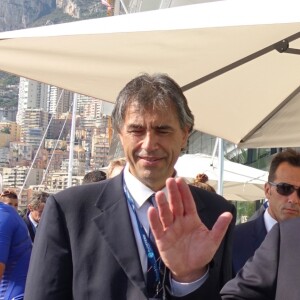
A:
x: 286, y: 189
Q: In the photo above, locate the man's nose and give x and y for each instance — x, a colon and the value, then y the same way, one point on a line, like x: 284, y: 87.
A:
x: 150, y: 141
x: 294, y: 197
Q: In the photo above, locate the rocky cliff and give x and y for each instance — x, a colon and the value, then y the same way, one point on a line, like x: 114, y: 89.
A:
x: 18, y: 14
x: 69, y: 7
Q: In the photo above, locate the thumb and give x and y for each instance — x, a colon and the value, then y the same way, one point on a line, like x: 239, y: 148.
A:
x: 220, y: 227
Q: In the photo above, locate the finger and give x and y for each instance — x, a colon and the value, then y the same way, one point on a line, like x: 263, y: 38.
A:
x: 220, y: 227
x: 165, y: 214
x: 155, y: 224
x: 175, y: 199
x: 188, y: 202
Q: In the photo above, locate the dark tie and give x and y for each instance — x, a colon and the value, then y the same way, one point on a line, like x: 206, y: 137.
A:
x: 153, y: 286
x: 151, y: 200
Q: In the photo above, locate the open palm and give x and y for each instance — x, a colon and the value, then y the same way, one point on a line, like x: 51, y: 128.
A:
x: 185, y: 244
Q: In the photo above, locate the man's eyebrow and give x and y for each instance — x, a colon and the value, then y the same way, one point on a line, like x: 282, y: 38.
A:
x: 164, y: 126
x: 134, y: 126
x: 156, y: 127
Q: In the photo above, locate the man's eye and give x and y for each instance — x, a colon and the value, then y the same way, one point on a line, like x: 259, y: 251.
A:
x: 136, y: 131
x: 163, y: 131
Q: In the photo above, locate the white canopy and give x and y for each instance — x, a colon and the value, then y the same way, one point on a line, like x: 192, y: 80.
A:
x: 240, y: 182
x: 252, y: 101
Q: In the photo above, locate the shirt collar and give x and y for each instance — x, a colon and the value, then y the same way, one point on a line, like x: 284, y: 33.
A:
x: 137, y: 189
x: 269, y: 221
x: 35, y: 224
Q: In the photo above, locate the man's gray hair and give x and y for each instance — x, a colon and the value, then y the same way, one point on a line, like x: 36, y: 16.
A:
x: 151, y: 92
x: 37, y: 198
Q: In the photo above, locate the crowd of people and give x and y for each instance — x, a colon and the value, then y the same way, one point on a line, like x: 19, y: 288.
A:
x: 137, y: 231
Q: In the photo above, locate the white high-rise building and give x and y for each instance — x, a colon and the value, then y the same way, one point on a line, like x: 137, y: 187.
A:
x: 59, y: 100
x: 89, y: 107
x: 32, y: 107
x: 23, y: 99
x: 32, y: 95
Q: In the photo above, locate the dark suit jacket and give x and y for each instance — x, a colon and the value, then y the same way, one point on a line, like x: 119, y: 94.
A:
x: 29, y: 226
x: 247, y: 237
x: 85, y: 247
x: 274, y: 271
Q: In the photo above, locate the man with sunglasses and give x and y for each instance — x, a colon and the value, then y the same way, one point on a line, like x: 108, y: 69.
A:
x: 283, y: 194
x: 274, y: 271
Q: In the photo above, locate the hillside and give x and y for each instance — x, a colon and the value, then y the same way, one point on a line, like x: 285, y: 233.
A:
x: 58, y: 15
x: 9, y: 88
x: 20, y: 14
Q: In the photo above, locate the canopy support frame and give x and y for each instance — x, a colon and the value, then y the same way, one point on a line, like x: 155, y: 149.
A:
x: 282, y: 47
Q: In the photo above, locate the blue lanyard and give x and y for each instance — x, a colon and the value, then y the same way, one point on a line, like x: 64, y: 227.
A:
x: 152, y: 259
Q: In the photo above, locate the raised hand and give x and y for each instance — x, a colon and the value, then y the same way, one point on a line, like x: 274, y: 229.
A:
x: 185, y: 244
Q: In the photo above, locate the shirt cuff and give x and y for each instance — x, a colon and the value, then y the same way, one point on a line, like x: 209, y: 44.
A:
x: 180, y: 289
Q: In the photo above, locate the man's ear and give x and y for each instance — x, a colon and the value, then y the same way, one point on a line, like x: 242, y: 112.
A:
x: 185, y: 138
x: 267, y: 188
x: 120, y: 138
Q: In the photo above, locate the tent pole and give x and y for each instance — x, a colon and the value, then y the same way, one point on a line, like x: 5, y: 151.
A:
x: 214, y: 151
x: 221, y: 166
x: 72, y: 140
x: 124, y: 6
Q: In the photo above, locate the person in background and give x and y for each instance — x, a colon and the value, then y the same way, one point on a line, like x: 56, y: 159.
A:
x: 143, y: 234
x: 9, y: 197
x: 34, y: 211
x: 283, y: 203
x: 201, y: 182
x: 115, y: 167
x: 15, y: 251
x: 94, y: 176
x: 273, y: 272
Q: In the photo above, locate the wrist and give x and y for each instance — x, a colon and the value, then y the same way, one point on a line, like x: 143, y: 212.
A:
x: 190, y: 277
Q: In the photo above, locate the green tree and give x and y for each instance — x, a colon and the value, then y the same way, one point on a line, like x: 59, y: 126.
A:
x: 6, y: 130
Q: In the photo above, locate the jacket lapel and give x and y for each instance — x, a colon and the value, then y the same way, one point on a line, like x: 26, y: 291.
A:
x: 115, y: 226
x: 259, y: 232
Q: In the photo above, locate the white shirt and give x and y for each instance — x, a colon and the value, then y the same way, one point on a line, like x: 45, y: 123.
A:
x: 140, y: 194
x: 34, y: 223
x: 269, y: 221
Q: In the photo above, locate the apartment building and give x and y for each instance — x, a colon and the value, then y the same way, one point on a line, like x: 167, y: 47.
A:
x: 59, y: 101
x: 32, y: 95
x: 20, y: 176
x: 59, y: 181
x: 8, y: 113
x: 12, y: 129
x: 35, y: 123
x: 20, y: 154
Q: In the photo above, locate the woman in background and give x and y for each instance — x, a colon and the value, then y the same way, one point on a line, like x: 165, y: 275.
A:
x: 15, y: 251
x: 201, y: 182
x: 9, y: 197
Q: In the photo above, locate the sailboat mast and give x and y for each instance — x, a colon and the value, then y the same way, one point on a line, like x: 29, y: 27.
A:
x: 72, y: 140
